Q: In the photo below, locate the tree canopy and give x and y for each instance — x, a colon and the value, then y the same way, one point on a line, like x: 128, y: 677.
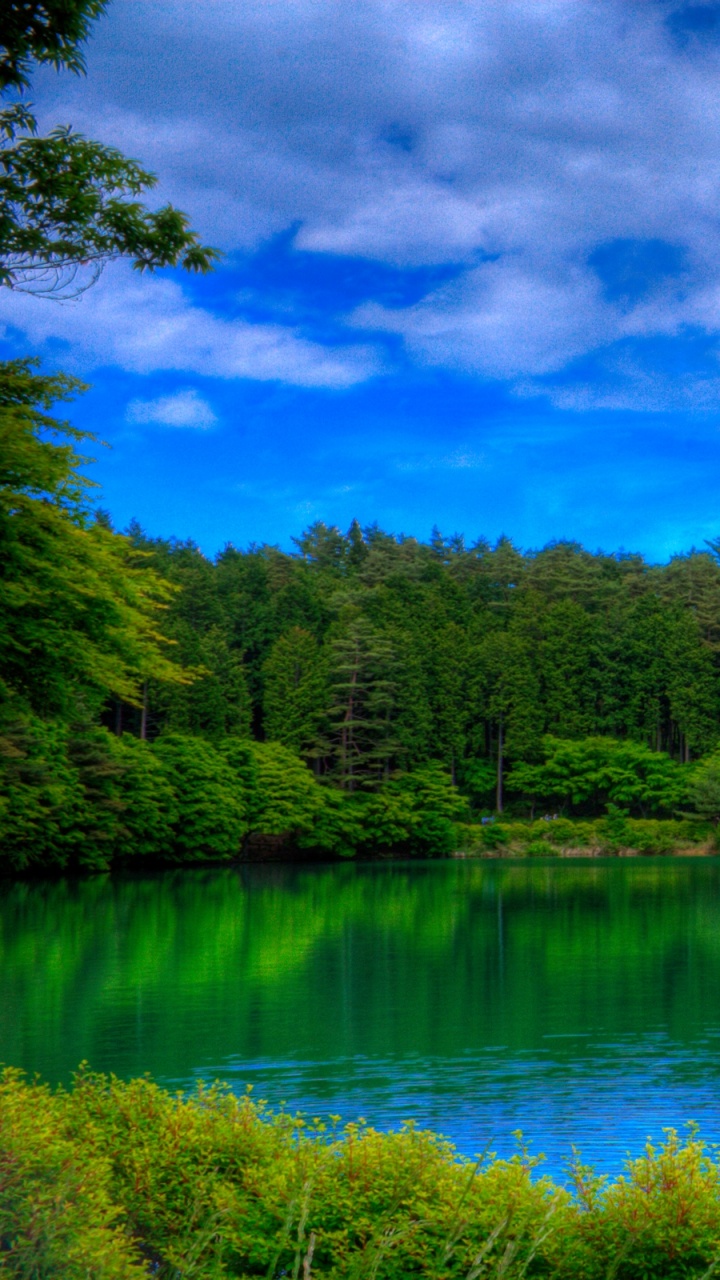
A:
x: 68, y: 205
x: 79, y: 606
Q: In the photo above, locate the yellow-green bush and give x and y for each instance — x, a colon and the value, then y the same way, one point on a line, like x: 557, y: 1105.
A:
x: 57, y: 1212
x: 114, y: 1180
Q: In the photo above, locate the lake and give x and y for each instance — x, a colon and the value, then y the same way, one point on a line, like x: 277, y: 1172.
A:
x: 577, y: 1001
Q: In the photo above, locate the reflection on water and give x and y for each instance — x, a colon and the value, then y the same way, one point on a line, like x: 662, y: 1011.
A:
x: 579, y: 1002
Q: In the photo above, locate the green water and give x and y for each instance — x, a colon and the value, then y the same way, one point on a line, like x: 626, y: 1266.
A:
x: 577, y: 1001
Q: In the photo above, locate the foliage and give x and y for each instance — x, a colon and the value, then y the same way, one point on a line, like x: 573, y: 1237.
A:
x: 608, y: 835
x: 210, y: 802
x: 80, y: 797
x: 57, y: 1213
x: 284, y: 796
x: 593, y: 773
x: 340, y: 828
x: 295, y: 701
x: 67, y: 204
x: 394, y: 669
x: 415, y: 814
x: 44, y: 31
x: 371, y: 654
x: 122, y: 1179
x: 495, y: 836
x: 704, y: 789
x: 40, y: 795
x: 78, y: 606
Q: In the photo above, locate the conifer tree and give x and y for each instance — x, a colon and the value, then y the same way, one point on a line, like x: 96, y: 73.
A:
x: 295, y: 700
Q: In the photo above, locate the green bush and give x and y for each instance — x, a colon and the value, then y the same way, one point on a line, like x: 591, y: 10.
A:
x: 563, y: 831
x: 115, y: 1180
x: 339, y: 828
x: 281, y: 794
x: 496, y: 836
x: 590, y: 773
x: 41, y: 798
x: 210, y: 804
x: 541, y: 849
x: 57, y: 1212
x: 414, y: 814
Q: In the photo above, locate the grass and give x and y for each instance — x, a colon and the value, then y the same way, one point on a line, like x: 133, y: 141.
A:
x: 598, y: 837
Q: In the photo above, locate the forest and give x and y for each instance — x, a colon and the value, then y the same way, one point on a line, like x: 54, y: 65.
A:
x: 360, y: 693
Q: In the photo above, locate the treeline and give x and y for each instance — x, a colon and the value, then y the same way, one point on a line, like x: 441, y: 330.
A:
x: 364, y: 692
x: 368, y: 653
x: 75, y: 797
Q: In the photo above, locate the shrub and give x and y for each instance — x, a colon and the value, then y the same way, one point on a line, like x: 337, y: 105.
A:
x: 57, y: 1212
x: 41, y: 799
x: 281, y: 794
x: 495, y: 835
x: 119, y: 1180
x: 541, y: 849
x: 210, y: 801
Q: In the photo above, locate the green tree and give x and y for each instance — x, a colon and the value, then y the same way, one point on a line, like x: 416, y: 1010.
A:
x: 363, y: 680
x: 69, y: 205
x: 281, y: 795
x: 704, y: 789
x: 41, y: 798
x: 504, y: 700
x: 211, y: 804
x: 295, y: 700
x: 448, y: 681
x: 437, y: 806
x: 79, y: 607
x: 129, y: 807
x: 590, y: 774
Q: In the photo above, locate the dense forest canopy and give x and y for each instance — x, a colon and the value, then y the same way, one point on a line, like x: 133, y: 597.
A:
x: 367, y: 652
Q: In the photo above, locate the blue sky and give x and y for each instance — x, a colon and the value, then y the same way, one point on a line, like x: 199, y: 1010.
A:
x: 471, y: 270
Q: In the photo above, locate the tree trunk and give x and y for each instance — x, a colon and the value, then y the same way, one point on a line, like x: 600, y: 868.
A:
x: 346, y: 736
x: 499, y: 788
x: 144, y: 713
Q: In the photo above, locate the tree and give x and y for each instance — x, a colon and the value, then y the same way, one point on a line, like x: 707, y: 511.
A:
x: 296, y: 694
x: 704, y: 789
x: 69, y: 205
x: 211, y: 802
x: 41, y: 796
x: 43, y: 31
x: 281, y: 794
x: 128, y: 810
x: 505, y: 696
x: 363, y: 681
x: 448, y: 693
x: 79, y: 606
x: 594, y: 773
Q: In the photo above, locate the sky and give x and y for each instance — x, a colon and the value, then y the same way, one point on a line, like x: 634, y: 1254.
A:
x: 470, y: 273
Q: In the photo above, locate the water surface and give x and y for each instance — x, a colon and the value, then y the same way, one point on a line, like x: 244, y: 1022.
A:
x: 579, y: 1002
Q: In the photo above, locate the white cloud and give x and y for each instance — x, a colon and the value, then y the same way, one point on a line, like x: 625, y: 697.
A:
x: 183, y: 409
x: 148, y: 325
x: 526, y: 132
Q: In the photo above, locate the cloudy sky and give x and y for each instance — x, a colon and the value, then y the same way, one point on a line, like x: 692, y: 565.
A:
x: 471, y: 270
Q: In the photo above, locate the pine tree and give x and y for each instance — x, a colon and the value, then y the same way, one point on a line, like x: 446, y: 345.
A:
x: 295, y: 700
